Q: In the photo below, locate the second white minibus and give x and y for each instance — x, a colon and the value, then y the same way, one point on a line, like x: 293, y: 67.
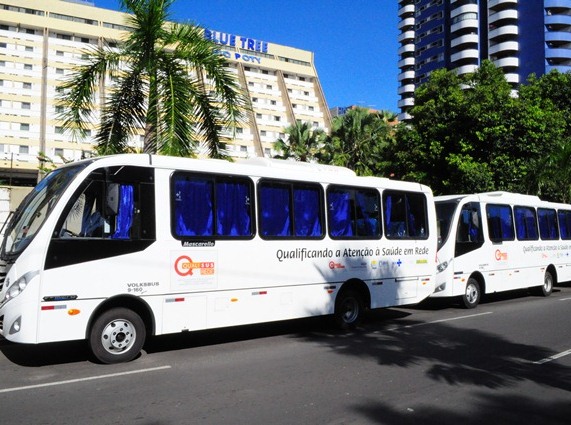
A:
x: 500, y: 241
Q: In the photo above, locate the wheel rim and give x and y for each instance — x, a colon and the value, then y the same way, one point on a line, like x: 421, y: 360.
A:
x: 350, y: 310
x: 471, y: 293
x: 118, y: 336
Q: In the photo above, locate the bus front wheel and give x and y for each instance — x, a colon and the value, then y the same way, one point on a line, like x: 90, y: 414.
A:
x: 117, y: 336
x: 349, y: 308
x: 471, y: 297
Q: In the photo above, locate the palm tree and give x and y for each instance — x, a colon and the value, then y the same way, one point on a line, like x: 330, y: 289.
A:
x: 358, y: 140
x: 165, y: 79
x: 302, y: 144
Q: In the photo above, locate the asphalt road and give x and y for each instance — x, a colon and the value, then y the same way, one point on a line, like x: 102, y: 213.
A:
x: 507, y: 361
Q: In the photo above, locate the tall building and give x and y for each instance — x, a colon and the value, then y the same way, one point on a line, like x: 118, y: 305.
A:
x: 41, y: 41
x: 519, y: 36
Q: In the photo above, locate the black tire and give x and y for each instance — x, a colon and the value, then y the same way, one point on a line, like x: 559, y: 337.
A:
x: 546, y: 289
x: 349, y: 309
x: 472, y: 294
x: 117, y: 336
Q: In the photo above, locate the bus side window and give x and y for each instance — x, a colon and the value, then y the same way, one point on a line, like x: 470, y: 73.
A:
x: 500, y: 223
x: 548, y: 228
x: 469, y: 234
x: 405, y: 215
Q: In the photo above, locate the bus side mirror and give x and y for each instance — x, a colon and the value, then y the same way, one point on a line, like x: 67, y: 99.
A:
x: 112, y: 202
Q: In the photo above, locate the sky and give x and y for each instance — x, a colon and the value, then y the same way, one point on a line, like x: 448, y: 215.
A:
x: 354, y: 41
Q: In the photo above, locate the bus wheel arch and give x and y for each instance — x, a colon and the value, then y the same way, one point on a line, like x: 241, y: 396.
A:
x: 118, y: 329
x: 351, y: 302
x: 475, y: 287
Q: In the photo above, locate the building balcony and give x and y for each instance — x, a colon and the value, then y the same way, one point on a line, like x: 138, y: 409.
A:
x: 406, y: 103
x: 558, y: 54
x: 464, y: 25
x: 407, y: 35
x: 507, y: 62
x: 556, y: 4
x: 407, y: 23
x: 508, y: 46
x: 506, y: 30
x: 466, y: 69
x: 407, y: 48
x: 407, y: 75
x: 494, y: 3
x: 465, y: 55
x: 467, y: 8
x: 557, y: 21
x: 406, y: 89
x: 406, y: 10
x: 503, y: 15
x: 406, y: 62
x: 465, y: 39
x: 560, y: 68
x: 512, y: 78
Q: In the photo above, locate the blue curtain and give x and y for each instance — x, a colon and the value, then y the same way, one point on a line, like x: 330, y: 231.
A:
x: 525, y: 223
x: 275, y: 211
x: 548, y: 224
x: 306, y: 212
x: 233, y: 209
x: 193, y: 207
x: 340, y: 223
x: 565, y: 224
x: 367, y: 211
x: 124, y: 213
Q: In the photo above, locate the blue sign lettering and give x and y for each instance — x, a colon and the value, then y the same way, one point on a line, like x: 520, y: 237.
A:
x: 226, y: 39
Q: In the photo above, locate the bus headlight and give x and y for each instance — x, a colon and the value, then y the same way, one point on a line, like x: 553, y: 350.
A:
x: 442, y: 266
x: 18, y: 286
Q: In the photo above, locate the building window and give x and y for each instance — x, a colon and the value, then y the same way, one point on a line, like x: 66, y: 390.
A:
x: 26, y: 105
x: 3, y: 45
x: 263, y: 133
x: 273, y: 102
x: 28, y: 67
x: 58, y: 152
x: 59, y: 53
x: 243, y: 148
x: 27, y: 86
x: 59, y: 71
x: 29, y: 49
x: 24, y: 149
x: 277, y: 118
x: 269, y: 87
x: 58, y: 130
x: 24, y: 127
x: 258, y: 115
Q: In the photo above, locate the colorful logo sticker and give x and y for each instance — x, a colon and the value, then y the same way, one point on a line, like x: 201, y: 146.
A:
x: 184, y: 266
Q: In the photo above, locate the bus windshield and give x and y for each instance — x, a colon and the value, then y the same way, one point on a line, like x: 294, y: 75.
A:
x: 444, y: 214
x: 35, y: 208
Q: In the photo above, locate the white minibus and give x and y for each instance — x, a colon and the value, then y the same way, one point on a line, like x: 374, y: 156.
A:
x: 500, y: 241
x: 115, y: 249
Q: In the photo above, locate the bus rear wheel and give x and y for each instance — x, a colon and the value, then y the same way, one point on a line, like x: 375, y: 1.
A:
x: 547, y: 288
x: 349, y: 308
x: 472, y: 295
x: 117, y: 336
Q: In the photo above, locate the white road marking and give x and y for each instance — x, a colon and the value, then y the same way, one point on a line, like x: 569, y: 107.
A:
x: 89, y: 378
x: 553, y: 357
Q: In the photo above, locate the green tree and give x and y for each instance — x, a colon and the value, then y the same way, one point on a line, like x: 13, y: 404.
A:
x: 471, y: 134
x: 302, y: 142
x: 164, y: 78
x: 358, y: 140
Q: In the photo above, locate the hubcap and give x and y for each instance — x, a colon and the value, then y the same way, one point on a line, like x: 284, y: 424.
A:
x: 118, y: 336
x: 471, y: 294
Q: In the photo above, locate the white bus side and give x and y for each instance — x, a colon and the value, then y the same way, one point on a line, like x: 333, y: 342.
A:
x: 117, y: 248
x: 500, y: 241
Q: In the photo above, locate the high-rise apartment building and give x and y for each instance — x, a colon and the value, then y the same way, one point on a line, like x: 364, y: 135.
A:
x: 41, y: 41
x: 519, y: 36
